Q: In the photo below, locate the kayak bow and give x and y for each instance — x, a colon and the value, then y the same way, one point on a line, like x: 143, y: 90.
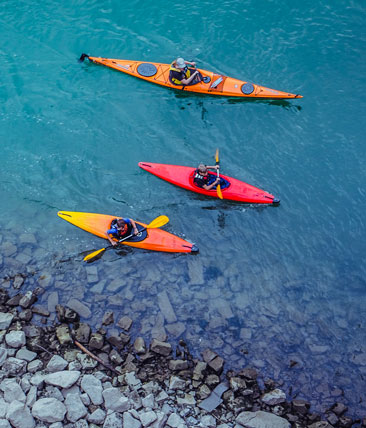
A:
x: 182, y: 176
x: 152, y: 239
x: 214, y: 84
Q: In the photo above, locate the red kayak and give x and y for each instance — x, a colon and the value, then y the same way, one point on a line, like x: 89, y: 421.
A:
x: 233, y: 190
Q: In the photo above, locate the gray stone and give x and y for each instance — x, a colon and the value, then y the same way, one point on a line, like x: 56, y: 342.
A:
x: 161, y: 348
x: 176, y: 365
x: 25, y: 354
x: 8, y: 249
x: 125, y: 323
x: 87, y: 362
x: 132, y: 381
x: 187, y: 400
x: 176, y: 383
x: 53, y: 392
x: 148, y: 402
x: 176, y: 329
x: 56, y: 364
x: 217, y: 364
x: 274, y: 397
x: 49, y: 410
x: 52, y: 301
x: 108, y: 318
x: 3, y: 408
x: 114, y: 400
x: 12, y: 391
x: 79, y: 307
x: 82, y: 333
x: 19, y: 415
x: 18, y: 281
x: 63, y: 334
x: 161, y: 420
x: 34, y: 366
x: 93, y: 387
x: 97, y: 417
x: 4, y: 423
x: 15, y: 338
x: 147, y: 418
x: 208, y: 421
x: 81, y: 423
x: 130, y: 422
x: 175, y: 421
x: 115, y: 285
x: 75, y: 407
x: 27, y: 238
x: 139, y: 345
x: 96, y: 341
x: 40, y: 310
x: 3, y: 355
x: 5, y: 320
x: 199, y: 368
x: 261, y: 419
x: 113, y: 420
x: 31, y: 396
x: 195, y: 272
x: 14, y: 366
x: 37, y: 380
x: 166, y: 307
x: 63, y: 379
x: 85, y: 399
x: 27, y: 300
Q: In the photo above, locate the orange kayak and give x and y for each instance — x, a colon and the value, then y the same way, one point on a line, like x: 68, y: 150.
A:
x: 150, y: 239
x: 213, y: 84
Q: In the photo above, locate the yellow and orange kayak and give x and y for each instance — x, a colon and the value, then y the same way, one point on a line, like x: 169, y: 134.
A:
x: 150, y: 239
x: 213, y: 84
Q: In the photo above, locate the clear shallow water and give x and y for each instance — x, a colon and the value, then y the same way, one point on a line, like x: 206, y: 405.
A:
x: 270, y: 285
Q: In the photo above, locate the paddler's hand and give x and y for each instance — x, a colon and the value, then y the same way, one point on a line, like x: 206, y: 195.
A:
x: 193, y: 64
x: 135, y: 231
x: 114, y: 243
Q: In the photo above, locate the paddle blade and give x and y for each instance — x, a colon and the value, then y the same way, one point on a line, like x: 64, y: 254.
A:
x: 219, y: 193
x: 217, y: 156
x: 92, y: 255
x: 83, y: 56
x: 158, y: 222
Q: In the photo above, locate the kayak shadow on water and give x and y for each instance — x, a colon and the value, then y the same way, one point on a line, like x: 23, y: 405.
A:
x: 288, y: 105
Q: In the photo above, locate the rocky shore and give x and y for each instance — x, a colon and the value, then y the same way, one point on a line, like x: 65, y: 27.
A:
x: 66, y: 375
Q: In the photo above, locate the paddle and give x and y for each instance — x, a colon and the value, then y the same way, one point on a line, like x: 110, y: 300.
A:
x: 158, y: 222
x: 218, y: 187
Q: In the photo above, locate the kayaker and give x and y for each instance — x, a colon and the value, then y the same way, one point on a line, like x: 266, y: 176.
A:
x: 121, y: 228
x: 205, y: 180
x: 181, y: 74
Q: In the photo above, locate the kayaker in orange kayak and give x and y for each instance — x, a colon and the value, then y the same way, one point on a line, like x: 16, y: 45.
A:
x: 181, y: 74
x: 207, y: 181
x: 121, y: 228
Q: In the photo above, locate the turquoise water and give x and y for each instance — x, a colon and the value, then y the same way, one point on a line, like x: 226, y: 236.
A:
x: 271, y: 285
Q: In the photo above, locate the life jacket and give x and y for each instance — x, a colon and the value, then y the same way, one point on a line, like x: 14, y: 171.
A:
x: 186, y: 71
x: 199, y: 176
x: 121, y: 230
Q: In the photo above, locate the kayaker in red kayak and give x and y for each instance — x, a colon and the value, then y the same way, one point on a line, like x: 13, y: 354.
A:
x: 181, y: 74
x: 207, y: 181
x: 121, y: 228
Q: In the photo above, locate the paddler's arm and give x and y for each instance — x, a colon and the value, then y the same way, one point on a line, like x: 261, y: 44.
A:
x: 212, y: 167
x: 189, y: 80
x: 114, y: 243
x: 193, y: 64
x: 206, y: 187
x: 135, y: 230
